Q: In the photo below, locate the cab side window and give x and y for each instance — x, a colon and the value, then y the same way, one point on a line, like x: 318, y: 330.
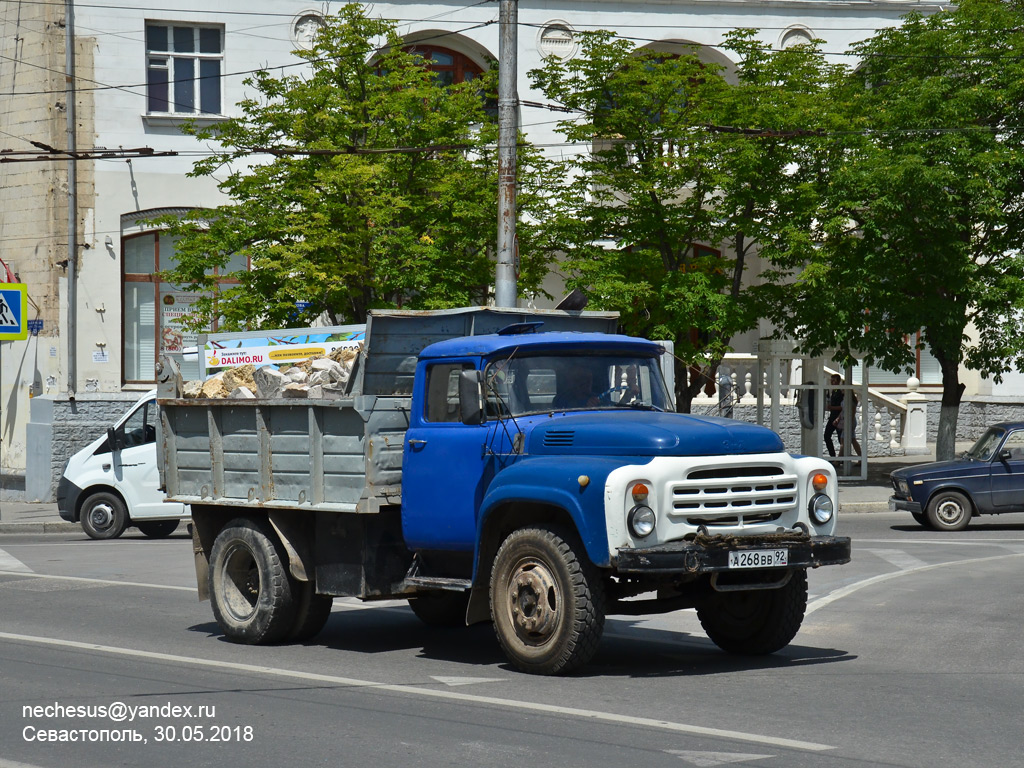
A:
x: 443, y: 391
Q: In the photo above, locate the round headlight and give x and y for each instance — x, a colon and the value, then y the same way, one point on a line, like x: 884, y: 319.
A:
x: 821, y: 509
x: 641, y: 522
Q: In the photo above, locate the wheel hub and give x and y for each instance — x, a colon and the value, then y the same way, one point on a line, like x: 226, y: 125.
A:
x: 533, y: 602
x: 101, y: 516
x: 949, y: 512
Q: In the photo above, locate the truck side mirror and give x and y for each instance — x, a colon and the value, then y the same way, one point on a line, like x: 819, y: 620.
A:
x: 471, y: 397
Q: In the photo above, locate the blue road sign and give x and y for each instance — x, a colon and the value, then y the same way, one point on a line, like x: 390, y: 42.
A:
x: 13, y: 308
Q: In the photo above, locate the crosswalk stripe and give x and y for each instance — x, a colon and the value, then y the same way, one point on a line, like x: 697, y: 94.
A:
x: 10, y: 563
x: 902, y: 560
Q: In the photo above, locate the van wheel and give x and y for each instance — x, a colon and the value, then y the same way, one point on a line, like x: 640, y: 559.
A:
x: 104, y: 516
x: 547, y: 601
x: 250, y: 589
x: 158, y: 529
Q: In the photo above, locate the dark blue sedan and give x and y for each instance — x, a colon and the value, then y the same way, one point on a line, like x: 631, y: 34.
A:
x: 986, y: 480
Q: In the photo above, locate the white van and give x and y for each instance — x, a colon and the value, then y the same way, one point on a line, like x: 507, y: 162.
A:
x: 112, y: 482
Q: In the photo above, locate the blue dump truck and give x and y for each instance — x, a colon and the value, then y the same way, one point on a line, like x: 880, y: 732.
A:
x: 523, y: 468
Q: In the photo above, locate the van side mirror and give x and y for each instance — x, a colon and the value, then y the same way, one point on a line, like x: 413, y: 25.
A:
x: 471, y: 398
x: 112, y: 440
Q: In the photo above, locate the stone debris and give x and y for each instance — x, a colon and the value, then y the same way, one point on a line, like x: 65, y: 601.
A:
x: 321, y: 378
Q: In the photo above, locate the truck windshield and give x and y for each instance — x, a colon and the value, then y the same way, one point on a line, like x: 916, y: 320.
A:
x: 986, y: 445
x: 525, y: 384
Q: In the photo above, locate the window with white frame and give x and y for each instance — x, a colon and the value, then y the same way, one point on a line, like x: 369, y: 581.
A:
x: 183, y: 68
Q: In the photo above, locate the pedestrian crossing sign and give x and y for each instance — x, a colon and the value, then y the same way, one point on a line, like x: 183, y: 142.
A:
x: 13, y: 309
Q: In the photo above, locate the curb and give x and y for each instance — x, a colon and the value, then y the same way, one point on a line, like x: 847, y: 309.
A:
x: 43, y: 527
x: 863, y: 506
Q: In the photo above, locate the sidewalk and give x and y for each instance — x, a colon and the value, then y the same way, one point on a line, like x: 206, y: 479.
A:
x: 871, y: 495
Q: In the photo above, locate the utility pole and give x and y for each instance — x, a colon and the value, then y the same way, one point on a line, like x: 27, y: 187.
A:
x: 505, y: 289
x: 69, y: 97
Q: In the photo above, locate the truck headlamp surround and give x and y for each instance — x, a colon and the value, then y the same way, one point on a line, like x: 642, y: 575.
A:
x: 641, y: 521
x: 821, y: 509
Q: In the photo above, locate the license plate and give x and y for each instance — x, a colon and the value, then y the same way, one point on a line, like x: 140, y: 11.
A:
x: 759, y: 558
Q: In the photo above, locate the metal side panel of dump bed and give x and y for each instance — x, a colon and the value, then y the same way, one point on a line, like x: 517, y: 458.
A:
x: 332, y: 455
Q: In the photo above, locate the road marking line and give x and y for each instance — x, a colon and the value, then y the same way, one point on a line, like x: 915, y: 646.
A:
x: 110, y: 582
x: 851, y: 588
x: 431, y: 693
x: 897, y: 557
x: 712, y: 759
x: 944, y: 542
x: 456, y: 681
x: 9, y: 562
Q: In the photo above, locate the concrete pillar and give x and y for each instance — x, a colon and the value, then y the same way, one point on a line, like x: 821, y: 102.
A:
x: 915, y: 430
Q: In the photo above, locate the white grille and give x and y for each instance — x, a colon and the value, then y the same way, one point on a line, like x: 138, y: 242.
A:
x: 737, y: 496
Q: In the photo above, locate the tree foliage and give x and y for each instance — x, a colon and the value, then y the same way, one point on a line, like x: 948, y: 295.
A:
x: 395, y: 205
x: 920, y: 204
x: 689, y: 167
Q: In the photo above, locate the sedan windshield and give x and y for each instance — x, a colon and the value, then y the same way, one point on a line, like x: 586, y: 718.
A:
x: 986, y: 445
x: 525, y: 384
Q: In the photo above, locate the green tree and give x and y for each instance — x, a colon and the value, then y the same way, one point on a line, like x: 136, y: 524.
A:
x: 379, y: 189
x: 919, y: 226
x: 690, y: 167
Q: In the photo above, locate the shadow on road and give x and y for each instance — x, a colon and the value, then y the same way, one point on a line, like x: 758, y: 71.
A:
x: 626, y: 649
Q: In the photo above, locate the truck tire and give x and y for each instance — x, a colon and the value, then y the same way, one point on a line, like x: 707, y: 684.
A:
x: 250, y: 589
x: 949, y: 511
x: 104, y: 516
x: 158, y: 529
x: 311, y: 612
x: 547, y: 601
x: 441, y: 608
x: 756, y: 622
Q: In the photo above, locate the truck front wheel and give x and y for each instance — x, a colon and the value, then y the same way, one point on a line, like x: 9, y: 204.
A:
x: 547, y: 601
x: 250, y: 589
x: 756, y: 622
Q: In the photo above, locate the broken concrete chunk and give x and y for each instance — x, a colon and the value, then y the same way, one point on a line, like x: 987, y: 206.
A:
x: 242, y: 376
x: 215, y: 387
x: 241, y: 393
x: 269, y: 383
x: 332, y: 391
x: 296, y: 374
x: 295, y: 390
x: 192, y: 389
x: 316, y: 392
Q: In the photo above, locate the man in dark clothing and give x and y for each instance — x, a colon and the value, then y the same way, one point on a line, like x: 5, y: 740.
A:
x: 833, y: 413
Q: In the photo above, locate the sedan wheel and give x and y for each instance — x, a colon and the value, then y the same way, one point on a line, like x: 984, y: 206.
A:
x: 949, y: 511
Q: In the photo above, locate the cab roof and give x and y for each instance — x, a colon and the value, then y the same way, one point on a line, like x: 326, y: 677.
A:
x: 490, y: 344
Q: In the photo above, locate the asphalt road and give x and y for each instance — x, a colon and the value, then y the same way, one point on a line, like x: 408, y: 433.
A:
x: 909, y: 656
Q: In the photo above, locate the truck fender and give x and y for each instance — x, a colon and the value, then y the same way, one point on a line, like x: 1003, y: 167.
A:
x: 295, y: 536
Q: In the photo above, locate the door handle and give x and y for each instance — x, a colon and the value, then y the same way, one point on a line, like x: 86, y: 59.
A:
x: 106, y: 467
x: 415, y: 442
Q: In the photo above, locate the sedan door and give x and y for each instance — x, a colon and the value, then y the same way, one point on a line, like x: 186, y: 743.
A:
x: 1008, y: 474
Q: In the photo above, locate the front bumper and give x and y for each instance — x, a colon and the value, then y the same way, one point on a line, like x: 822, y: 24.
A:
x: 709, y: 554
x: 898, y: 504
x: 67, y: 499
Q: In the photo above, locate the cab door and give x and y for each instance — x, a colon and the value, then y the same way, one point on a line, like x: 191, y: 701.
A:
x: 445, y: 467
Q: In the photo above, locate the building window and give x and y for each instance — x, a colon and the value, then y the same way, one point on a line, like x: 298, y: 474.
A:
x: 153, y: 311
x: 451, y: 67
x: 926, y: 369
x: 183, y: 69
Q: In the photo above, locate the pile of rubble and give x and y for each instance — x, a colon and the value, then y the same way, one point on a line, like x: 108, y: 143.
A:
x: 317, y: 378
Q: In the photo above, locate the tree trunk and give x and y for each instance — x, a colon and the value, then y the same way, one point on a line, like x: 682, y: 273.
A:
x: 952, y: 392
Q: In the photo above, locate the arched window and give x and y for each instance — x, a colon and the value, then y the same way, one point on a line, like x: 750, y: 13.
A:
x: 450, y: 66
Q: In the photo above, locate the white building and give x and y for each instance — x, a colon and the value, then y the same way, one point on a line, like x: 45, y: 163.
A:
x: 62, y: 384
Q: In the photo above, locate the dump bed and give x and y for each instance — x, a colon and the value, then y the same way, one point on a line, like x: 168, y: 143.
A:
x: 342, y: 455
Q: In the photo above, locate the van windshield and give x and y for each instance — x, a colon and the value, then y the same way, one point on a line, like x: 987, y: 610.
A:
x: 525, y: 384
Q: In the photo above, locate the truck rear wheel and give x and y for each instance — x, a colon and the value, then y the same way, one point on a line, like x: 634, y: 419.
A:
x: 250, y: 589
x: 756, y: 622
x: 441, y: 608
x: 311, y: 612
x: 547, y: 601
